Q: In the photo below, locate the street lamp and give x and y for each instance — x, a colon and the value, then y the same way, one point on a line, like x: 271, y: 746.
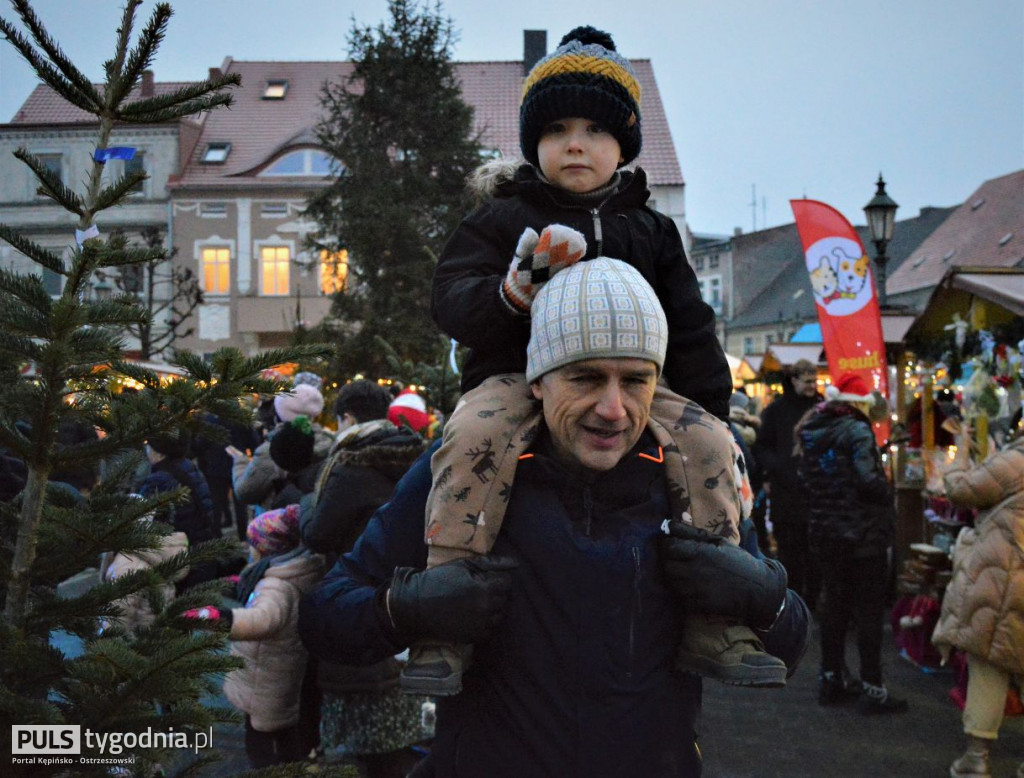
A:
x: 881, y: 213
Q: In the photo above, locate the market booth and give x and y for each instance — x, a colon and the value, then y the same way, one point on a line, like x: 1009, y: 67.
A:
x: 962, y: 359
x: 963, y: 366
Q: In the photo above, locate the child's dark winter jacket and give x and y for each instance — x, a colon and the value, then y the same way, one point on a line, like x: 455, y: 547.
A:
x: 194, y: 517
x: 467, y: 306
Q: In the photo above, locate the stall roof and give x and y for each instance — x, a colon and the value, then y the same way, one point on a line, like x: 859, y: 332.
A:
x: 780, y: 355
x: 967, y: 291
x: 894, y: 329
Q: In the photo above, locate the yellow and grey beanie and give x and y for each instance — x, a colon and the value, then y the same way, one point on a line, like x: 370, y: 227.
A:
x: 595, y: 309
x: 584, y: 77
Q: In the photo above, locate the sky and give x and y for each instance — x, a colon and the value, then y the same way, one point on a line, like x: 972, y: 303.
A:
x: 766, y: 101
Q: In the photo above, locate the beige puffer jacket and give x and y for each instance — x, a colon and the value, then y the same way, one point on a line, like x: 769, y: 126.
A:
x: 983, y: 608
x: 265, y: 634
x: 135, y: 609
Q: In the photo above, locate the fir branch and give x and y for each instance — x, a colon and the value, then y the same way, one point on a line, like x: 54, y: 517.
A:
x: 183, y: 95
x: 120, y: 310
x: 65, y: 78
x: 117, y: 87
x: 32, y: 250
x: 114, y: 193
x: 141, y: 57
x: 50, y: 184
x: 191, y: 108
x: 121, y: 256
x: 136, y: 372
x: 29, y: 289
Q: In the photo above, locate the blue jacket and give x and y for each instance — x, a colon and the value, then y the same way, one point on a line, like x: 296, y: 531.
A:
x: 194, y: 517
x: 578, y: 680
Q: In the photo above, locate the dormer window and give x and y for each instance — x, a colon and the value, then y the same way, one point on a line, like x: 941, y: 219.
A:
x: 275, y: 89
x: 216, y: 153
x: 304, y: 162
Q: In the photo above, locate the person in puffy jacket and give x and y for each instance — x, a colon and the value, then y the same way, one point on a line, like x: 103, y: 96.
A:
x: 268, y: 689
x: 259, y: 480
x: 851, y: 519
x: 363, y: 710
x: 983, y: 607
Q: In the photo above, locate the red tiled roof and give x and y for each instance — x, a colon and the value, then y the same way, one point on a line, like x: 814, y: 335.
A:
x: 986, y: 231
x: 45, y: 106
x: 258, y: 129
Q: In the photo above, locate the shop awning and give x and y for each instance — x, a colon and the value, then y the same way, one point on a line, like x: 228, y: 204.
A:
x: 983, y: 296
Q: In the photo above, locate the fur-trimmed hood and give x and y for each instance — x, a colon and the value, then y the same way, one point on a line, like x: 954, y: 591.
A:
x: 485, y: 181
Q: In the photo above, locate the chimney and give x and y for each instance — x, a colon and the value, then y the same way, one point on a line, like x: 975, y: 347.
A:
x: 535, y: 48
x: 215, y: 74
x: 147, y: 84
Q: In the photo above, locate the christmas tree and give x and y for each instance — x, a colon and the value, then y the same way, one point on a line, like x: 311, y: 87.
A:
x: 61, y: 359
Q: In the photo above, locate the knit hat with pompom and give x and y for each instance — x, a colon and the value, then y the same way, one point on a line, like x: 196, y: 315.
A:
x: 584, y: 77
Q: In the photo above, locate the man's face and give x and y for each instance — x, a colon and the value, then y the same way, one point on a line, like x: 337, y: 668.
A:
x: 597, y: 409
x: 805, y: 384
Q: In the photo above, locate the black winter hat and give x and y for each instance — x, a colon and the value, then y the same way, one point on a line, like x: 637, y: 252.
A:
x: 172, y: 445
x: 585, y: 77
x: 291, y: 446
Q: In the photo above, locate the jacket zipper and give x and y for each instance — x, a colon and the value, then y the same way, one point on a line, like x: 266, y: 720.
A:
x: 598, y: 236
x: 588, y: 508
x: 634, y: 611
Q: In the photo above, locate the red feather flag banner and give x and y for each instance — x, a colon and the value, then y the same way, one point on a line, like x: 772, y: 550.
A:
x: 844, y: 295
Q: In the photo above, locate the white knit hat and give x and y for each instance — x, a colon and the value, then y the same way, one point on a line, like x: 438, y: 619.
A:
x: 595, y: 310
x: 302, y: 400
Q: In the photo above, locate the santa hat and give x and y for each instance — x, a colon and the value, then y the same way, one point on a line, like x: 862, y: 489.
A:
x: 410, y: 408
x: 849, y: 388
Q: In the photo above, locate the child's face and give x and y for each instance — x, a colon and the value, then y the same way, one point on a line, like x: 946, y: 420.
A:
x: 578, y: 155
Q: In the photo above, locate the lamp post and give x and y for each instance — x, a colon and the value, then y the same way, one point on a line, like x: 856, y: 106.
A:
x: 881, y: 213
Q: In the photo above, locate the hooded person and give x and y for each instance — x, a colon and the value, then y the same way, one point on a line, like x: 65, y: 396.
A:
x: 851, y: 521
x: 170, y: 468
x: 262, y: 481
x: 369, y: 457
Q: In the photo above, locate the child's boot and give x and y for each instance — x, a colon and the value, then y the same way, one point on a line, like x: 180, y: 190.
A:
x: 435, y: 669
x: 730, y: 653
x: 973, y: 763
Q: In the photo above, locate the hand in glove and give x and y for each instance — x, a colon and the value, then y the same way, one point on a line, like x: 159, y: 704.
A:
x: 458, y: 602
x: 536, y: 260
x: 714, y: 577
x: 209, y: 617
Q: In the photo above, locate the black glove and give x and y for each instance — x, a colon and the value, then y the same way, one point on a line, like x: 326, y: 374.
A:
x: 458, y: 602
x: 714, y: 577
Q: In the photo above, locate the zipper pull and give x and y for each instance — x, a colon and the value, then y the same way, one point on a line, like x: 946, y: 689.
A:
x: 598, y: 236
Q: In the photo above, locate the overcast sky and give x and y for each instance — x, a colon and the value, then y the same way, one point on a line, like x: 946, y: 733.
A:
x: 794, y: 97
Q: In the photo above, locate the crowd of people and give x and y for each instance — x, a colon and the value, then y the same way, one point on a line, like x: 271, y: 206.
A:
x: 601, y: 523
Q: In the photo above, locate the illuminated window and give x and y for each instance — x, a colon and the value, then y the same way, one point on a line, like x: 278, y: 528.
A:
x: 274, y: 270
x: 275, y: 89
x: 333, y: 271
x: 216, y: 265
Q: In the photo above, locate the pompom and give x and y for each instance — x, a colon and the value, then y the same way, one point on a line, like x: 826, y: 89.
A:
x: 831, y: 392
x: 587, y: 35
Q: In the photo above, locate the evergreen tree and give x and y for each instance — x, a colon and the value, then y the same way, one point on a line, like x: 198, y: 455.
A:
x: 402, y: 136
x: 122, y: 682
